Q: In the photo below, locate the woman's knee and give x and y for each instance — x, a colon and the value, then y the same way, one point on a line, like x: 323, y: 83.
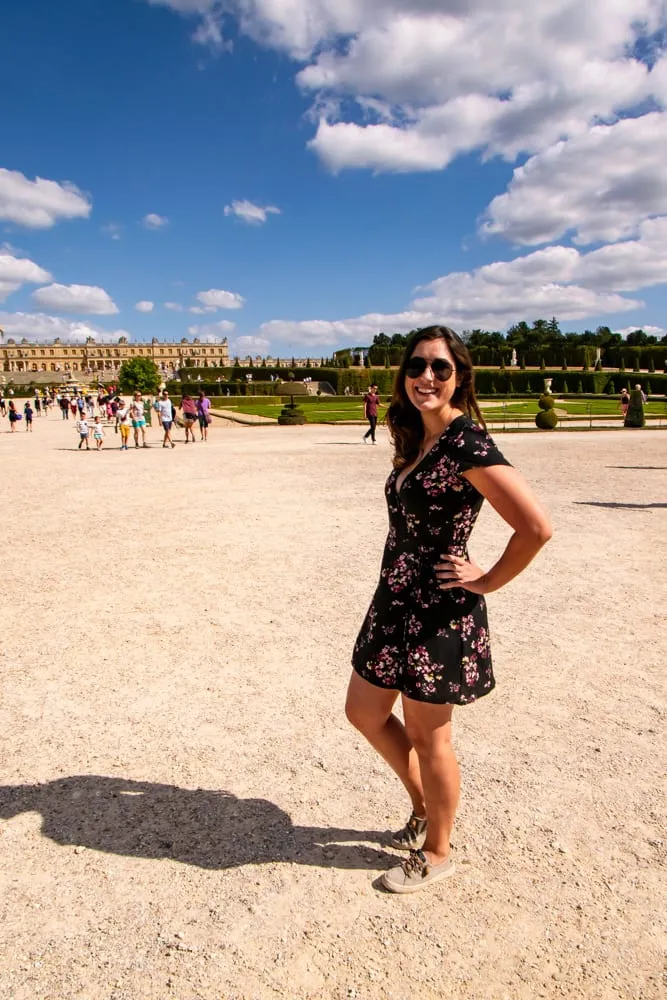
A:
x: 426, y: 739
x: 367, y: 708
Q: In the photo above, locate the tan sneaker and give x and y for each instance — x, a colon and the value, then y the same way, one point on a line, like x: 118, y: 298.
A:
x: 416, y: 873
x: 412, y: 836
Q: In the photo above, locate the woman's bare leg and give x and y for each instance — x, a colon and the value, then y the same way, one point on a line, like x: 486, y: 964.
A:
x: 429, y: 729
x: 369, y: 709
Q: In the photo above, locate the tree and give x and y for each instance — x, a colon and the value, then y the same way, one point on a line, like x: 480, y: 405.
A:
x: 139, y: 375
x: 637, y: 338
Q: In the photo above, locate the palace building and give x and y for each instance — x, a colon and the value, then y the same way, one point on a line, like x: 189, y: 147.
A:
x: 91, y: 358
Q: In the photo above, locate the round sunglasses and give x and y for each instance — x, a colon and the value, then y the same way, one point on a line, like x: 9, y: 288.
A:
x: 441, y: 368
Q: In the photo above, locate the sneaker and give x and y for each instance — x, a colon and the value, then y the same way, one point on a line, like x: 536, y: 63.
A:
x: 412, y: 836
x: 416, y: 873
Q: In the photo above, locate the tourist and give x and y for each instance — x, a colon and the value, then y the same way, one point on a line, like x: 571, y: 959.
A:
x: 74, y: 408
x: 64, y: 407
x: 98, y: 432
x: 3, y: 405
x: 28, y: 413
x: 425, y: 636
x: 38, y: 405
x: 123, y: 422
x: 371, y: 404
x: 644, y: 396
x: 14, y: 416
x: 166, y: 417
x: 84, y: 432
x: 625, y: 402
x: 138, y: 419
x: 90, y: 406
x: 203, y: 415
x: 189, y: 411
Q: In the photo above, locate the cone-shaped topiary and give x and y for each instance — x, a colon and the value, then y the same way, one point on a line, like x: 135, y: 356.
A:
x: 565, y: 388
x: 635, y: 415
x: 547, y: 418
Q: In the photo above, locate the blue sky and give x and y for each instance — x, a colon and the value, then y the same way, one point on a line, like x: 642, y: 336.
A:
x: 474, y: 163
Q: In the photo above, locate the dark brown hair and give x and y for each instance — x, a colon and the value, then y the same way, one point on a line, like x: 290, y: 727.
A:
x: 404, y: 420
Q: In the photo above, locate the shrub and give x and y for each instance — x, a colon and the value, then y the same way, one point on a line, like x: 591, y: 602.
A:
x: 621, y: 366
x: 635, y: 415
x: 547, y: 418
x: 651, y: 364
x: 610, y: 388
x: 291, y: 414
x: 564, y: 365
x: 543, y: 366
x: 580, y: 386
x: 648, y: 389
x: 522, y: 363
x: 565, y: 388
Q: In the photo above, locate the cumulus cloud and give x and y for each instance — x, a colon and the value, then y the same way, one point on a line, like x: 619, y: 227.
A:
x: 600, y: 185
x: 39, y: 204
x: 88, y: 299
x: 250, y: 345
x: 40, y: 327
x: 154, y: 221
x: 212, y: 333
x: 655, y: 331
x: 217, y: 298
x: 144, y: 306
x: 174, y: 307
x: 253, y: 214
x: 16, y: 271
x: 557, y: 280
x: 202, y: 310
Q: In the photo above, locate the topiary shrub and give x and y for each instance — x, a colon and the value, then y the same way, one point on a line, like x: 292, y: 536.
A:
x: 580, y: 386
x: 547, y: 418
x: 635, y: 415
x: 565, y: 388
x: 648, y: 389
x: 621, y: 367
x: 610, y: 388
x: 291, y: 414
x: 564, y: 365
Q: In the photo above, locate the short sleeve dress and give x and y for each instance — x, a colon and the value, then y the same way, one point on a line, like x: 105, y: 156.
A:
x: 428, y: 643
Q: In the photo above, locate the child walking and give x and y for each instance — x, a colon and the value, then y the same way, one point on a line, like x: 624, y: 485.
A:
x: 98, y: 432
x: 84, y: 432
x: 27, y: 413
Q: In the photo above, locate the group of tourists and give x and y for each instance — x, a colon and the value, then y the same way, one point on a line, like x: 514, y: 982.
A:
x: 132, y: 418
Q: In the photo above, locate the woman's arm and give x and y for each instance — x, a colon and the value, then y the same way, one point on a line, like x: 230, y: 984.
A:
x: 509, y: 494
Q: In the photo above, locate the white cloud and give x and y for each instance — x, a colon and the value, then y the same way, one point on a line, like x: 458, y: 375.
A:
x: 16, y: 271
x: 174, y: 306
x: 39, y: 204
x: 202, y: 310
x: 153, y: 221
x: 113, y: 230
x: 144, y: 306
x: 655, y: 331
x: 39, y: 327
x: 212, y: 333
x: 601, y: 185
x: 217, y: 298
x: 250, y: 345
x: 253, y: 214
x: 87, y: 299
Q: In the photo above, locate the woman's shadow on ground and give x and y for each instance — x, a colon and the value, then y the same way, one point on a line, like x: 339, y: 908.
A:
x: 209, y: 829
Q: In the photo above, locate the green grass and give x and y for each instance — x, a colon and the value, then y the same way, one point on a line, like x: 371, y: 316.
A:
x: 330, y: 409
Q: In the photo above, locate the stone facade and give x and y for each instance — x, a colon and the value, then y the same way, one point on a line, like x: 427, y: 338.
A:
x: 93, y: 359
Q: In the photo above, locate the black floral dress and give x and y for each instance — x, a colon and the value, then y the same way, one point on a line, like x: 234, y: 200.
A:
x: 430, y: 644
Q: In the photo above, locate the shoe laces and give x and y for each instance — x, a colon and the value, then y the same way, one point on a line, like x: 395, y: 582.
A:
x: 416, y: 864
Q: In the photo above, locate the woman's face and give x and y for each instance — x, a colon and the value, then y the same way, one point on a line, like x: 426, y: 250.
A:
x: 427, y: 393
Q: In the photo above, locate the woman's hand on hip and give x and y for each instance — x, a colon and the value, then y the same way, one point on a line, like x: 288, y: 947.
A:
x: 455, y: 571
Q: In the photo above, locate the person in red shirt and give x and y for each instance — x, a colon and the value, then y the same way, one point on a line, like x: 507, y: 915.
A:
x: 371, y: 404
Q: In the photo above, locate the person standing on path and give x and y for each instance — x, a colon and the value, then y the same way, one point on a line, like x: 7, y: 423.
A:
x: 203, y: 415
x: 13, y: 416
x: 371, y: 404
x: 98, y: 433
x: 38, y: 405
x: 3, y: 406
x: 27, y: 415
x: 165, y: 416
x: 189, y: 411
x: 123, y: 422
x: 425, y: 636
x: 84, y: 432
x: 138, y: 419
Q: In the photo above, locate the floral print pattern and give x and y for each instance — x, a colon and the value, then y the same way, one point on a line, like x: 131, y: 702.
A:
x: 431, y: 644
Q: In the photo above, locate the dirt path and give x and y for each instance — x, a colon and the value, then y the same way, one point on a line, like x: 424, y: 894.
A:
x: 185, y: 812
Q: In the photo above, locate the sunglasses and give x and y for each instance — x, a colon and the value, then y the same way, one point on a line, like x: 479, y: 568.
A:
x: 441, y: 368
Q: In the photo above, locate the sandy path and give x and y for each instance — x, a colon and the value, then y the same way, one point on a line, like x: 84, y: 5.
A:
x: 185, y: 812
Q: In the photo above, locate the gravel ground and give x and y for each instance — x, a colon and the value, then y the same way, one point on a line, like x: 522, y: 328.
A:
x: 185, y: 813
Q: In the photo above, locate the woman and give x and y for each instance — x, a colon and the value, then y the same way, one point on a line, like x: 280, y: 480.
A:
x: 14, y: 416
x: 425, y: 635
x: 203, y: 407
x: 625, y: 402
x: 189, y: 410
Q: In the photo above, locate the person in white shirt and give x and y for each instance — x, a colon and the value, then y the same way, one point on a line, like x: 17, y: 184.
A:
x: 166, y: 415
x: 138, y: 419
x: 84, y: 431
x: 124, y: 422
x: 98, y: 432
